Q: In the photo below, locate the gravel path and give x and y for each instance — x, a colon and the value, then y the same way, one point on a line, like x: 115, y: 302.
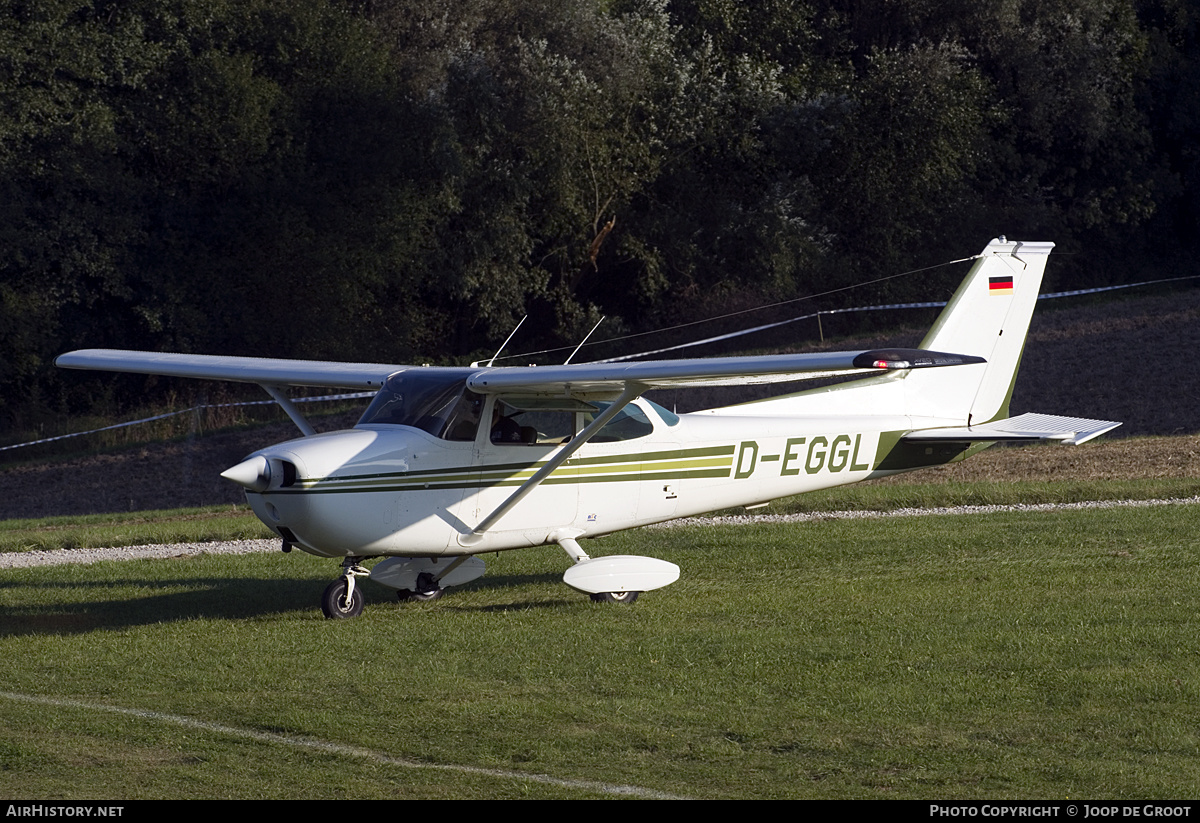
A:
x: 19, y: 560
x: 745, y: 519
x: 59, y: 557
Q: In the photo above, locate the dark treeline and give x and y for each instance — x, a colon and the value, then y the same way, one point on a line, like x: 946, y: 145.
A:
x: 402, y: 180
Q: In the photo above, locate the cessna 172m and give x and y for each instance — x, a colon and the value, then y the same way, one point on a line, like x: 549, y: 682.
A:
x: 449, y: 463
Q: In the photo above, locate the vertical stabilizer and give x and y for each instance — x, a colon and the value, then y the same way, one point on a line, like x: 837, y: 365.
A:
x: 989, y: 317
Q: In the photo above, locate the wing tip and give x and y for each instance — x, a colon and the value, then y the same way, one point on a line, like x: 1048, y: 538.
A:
x: 896, y: 359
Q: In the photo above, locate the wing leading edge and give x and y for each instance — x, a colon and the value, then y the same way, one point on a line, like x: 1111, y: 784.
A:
x: 259, y: 370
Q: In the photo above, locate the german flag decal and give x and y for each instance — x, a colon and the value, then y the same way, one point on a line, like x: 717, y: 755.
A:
x: 1000, y: 285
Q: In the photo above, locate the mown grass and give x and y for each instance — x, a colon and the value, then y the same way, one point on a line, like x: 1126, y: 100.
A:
x: 1009, y: 655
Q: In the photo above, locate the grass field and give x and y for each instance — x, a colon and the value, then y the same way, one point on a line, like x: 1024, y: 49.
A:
x: 1010, y: 655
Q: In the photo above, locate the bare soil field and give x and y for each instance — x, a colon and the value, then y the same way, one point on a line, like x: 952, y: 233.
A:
x: 1129, y: 360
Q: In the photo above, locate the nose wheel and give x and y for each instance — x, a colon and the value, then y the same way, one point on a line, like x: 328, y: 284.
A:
x: 340, y: 601
x: 342, y: 598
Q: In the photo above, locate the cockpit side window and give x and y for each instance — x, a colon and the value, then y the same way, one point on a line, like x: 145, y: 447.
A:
x: 555, y: 420
x: 513, y: 425
x: 464, y: 419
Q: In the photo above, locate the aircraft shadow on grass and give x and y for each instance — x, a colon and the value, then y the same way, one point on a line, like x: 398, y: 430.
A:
x: 203, y: 598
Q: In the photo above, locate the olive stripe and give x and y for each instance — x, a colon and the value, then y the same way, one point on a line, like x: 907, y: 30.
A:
x: 550, y: 481
x: 632, y: 457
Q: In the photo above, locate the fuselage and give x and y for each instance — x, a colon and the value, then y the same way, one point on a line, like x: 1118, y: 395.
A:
x: 386, y: 488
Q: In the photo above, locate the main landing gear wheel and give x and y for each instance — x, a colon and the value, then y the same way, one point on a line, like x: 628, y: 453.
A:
x: 615, y: 597
x: 427, y: 590
x: 336, y: 605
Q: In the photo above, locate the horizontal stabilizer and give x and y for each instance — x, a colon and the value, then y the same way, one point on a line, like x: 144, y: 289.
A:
x: 1070, y: 431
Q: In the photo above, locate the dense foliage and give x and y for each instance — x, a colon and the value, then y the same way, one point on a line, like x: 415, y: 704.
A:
x: 399, y: 180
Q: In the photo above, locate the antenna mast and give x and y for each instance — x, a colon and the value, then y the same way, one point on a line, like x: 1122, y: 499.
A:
x: 584, y: 340
x: 505, y: 343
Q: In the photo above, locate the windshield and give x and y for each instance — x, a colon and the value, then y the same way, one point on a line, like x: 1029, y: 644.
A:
x: 433, y: 400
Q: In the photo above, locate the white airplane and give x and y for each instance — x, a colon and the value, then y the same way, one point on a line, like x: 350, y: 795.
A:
x: 450, y: 463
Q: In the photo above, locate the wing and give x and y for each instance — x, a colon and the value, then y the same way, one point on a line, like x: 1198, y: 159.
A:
x: 589, y: 379
x: 261, y: 370
x: 272, y: 375
x: 586, y: 378
x: 612, y: 378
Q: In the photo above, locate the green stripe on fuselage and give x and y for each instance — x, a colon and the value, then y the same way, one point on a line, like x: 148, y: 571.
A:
x: 531, y: 466
x: 553, y: 480
x: 713, y: 461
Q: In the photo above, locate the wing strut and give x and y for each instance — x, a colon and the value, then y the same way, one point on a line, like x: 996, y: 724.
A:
x: 631, y: 392
x: 288, y: 406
